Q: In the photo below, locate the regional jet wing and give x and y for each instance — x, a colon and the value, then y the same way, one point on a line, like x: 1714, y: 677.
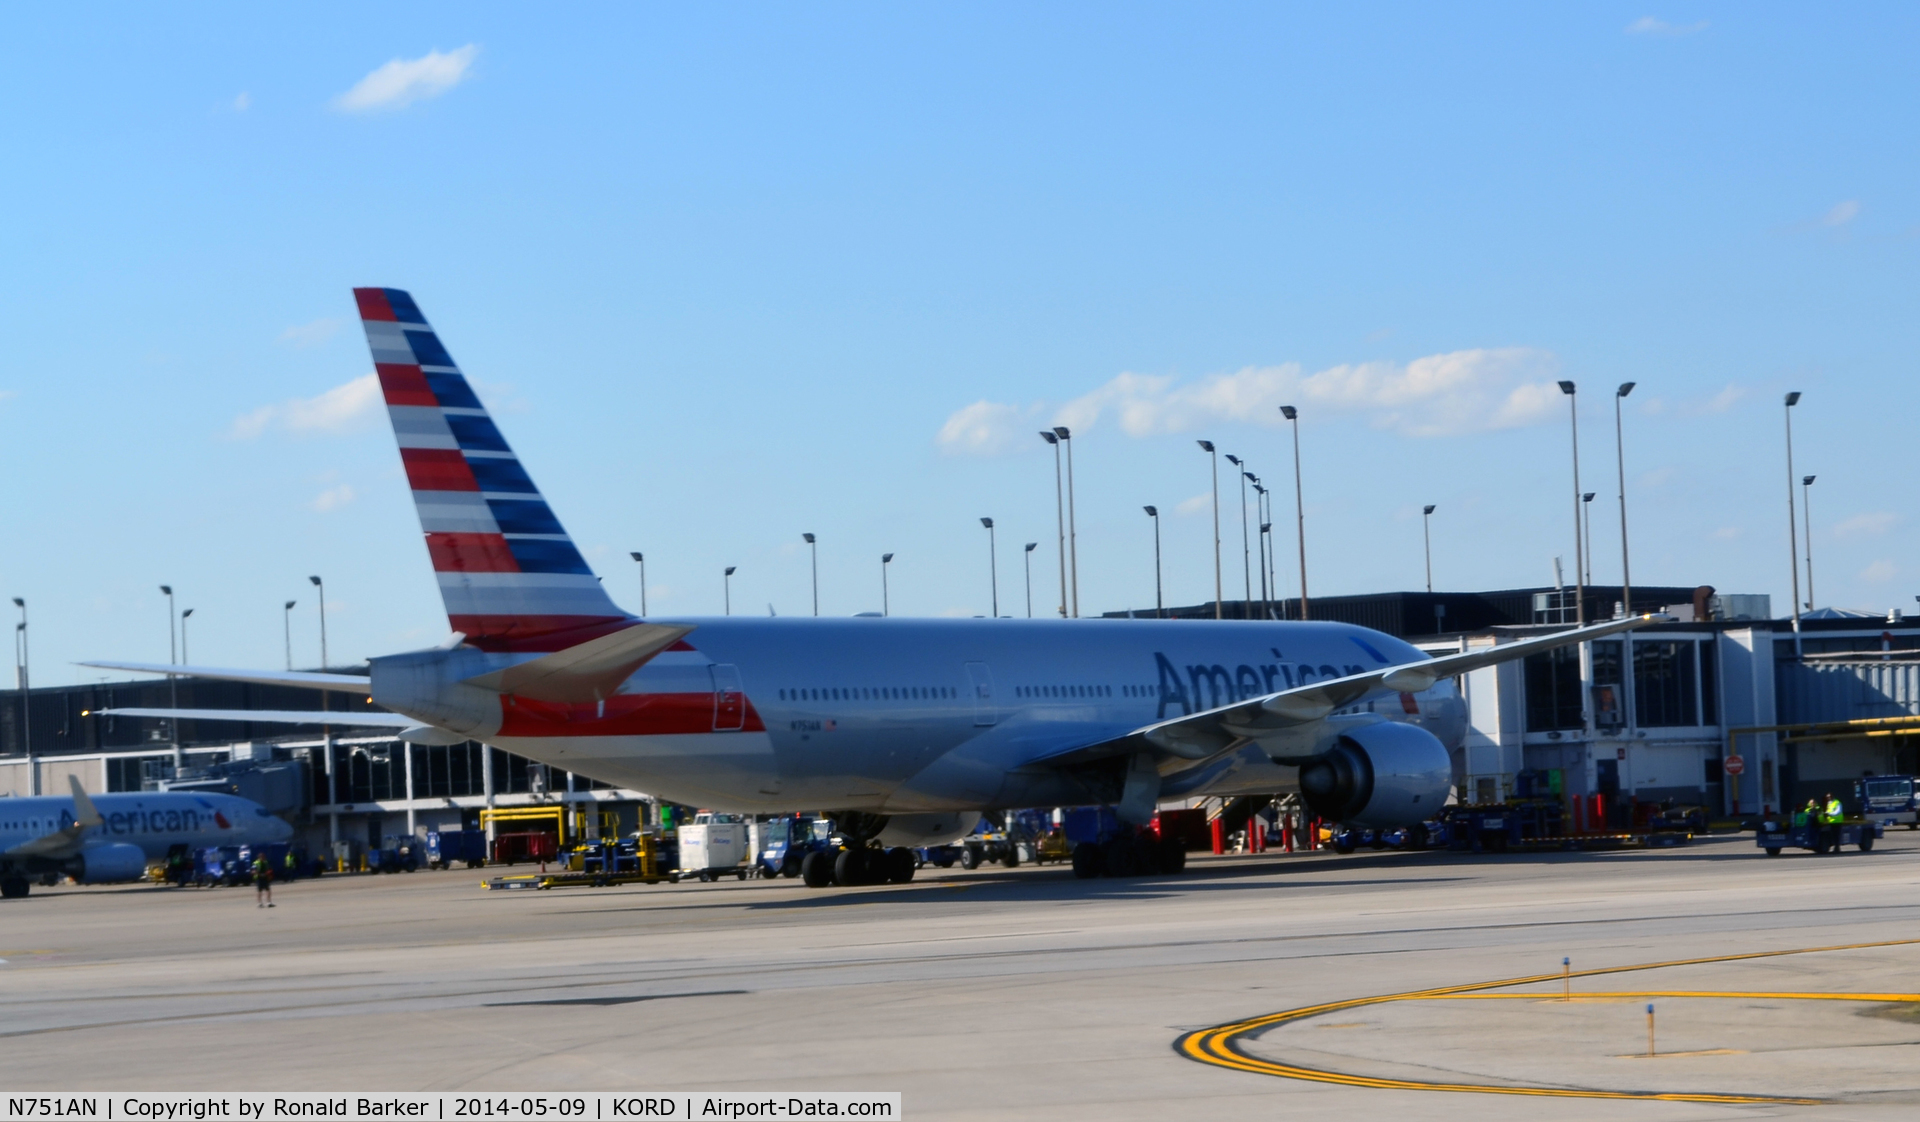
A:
x: 345, y: 683
x: 63, y: 842
x: 1204, y: 735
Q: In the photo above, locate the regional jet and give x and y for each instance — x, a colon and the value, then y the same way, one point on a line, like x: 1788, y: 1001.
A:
x: 113, y: 837
x: 904, y: 730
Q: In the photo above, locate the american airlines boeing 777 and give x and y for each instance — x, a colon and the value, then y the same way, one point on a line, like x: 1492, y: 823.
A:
x: 905, y: 730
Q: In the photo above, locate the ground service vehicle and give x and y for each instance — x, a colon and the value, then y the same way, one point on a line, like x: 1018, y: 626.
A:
x: 1890, y: 800
x: 1774, y: 835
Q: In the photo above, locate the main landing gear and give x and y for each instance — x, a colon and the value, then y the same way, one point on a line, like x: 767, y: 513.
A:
x: 857, y: 865
x: 857, y: 860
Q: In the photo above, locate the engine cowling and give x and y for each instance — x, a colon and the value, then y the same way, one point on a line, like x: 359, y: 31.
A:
x: 1379, y: 775
x: 102, y: 864
x: 929, y: 829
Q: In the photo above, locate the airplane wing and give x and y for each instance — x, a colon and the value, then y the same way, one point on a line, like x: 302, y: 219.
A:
x: 273, y: 716
x: 64, y: 842
x: 589, y: 671
x: 345, y: 683
x: 1202, y: 736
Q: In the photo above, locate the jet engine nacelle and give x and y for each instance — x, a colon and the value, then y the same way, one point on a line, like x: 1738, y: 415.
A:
x: 101, y: 864
x: 929, y: 829
x: 1384, y: 774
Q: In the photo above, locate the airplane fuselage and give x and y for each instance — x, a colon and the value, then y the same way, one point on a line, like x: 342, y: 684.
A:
x: 900, y: 716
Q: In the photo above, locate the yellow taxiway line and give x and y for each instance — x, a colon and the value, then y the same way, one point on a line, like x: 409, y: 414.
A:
x: 1221, y: 1045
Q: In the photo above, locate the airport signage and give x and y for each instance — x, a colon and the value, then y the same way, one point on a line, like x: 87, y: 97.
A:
x: 264, y: 1106
x: 1733, y: 765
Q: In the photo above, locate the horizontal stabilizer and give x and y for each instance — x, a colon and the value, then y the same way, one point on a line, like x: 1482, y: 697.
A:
x: 273, y: 717
x: 591, y: 671
x: 307, y: 679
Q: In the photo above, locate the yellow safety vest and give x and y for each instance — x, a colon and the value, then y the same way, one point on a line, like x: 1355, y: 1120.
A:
x: 1835, y: 812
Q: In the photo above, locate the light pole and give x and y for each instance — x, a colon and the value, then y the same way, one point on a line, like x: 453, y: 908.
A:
x: 1159, y: 603
x: 319, y: 584
x: 641, y: 560
x: 1246, y: 559
x: 286, y: 626
x: 1027, y: 556
x: 173, y: 683
x: 1260, y: 534
x: 1793, y: 531
x: 1806, y: 515
x: 1299, y: 506
x: 1620, y: 456
x: 1426, y: 534
x: 726, y: 587
x: 1059, y: 514
x: 993, y: 567
x: 21, y: 674
x: 184, y: 616
x: 814, y: 549
x: 1579, y: 579
x: 1586, y: 513
x: 1073, y: 533
x: 885, y: 560
x: 1207, y: 447
x: 1270, y: 575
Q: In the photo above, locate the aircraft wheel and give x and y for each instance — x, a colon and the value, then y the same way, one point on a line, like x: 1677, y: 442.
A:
x: 1173, y: 856
x: 817, y: 869
x: 900, y: 865
x: 850, y: 867
x: 1120, y: 858
x: 1773, y: 851
x: 1342, y: 845
x: 14, y: 887
x: 1088, y: 861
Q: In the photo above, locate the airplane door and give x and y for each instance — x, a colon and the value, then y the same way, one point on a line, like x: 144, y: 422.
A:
x: 981, y: 679
x: 729, y: 701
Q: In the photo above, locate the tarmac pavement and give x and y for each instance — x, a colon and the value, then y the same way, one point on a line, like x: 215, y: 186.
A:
x: 1020, y: 993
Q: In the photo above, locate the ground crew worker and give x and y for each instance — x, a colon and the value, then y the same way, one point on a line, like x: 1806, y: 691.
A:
x: 1827, y: 816
x: 262, y: 882
x: 290, y: 864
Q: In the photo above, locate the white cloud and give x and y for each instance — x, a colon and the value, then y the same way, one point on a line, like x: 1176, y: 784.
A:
x: 1445, y: 394
x: 5, y: 394
x: 1727, y: 533
x: 402, y: 82
x: 1440, y: 395
x: 1196, y: 504
x: 341, y: 409
x: 332, y: 498
x: 312, y: 334
x: 1842, y: 213
x: 1880, y: 572
x: 243, y: 102
x: 1872, y: 523
x: 1648, y: 25
x: 1724, y: 400
x: 984, y: 428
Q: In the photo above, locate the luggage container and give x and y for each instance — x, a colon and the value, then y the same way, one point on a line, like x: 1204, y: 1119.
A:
x: 712, y: 845
x: 445, y: 847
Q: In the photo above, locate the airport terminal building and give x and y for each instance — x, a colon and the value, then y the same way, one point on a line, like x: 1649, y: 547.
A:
x: 1651, y: 716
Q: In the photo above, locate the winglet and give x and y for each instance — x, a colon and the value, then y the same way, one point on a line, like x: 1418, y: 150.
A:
x: 84, y: 813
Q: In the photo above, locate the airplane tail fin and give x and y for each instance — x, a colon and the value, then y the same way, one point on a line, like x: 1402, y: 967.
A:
x: 511, y: 577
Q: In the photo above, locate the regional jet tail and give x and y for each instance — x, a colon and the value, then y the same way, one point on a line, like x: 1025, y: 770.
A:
x: 904, y: 730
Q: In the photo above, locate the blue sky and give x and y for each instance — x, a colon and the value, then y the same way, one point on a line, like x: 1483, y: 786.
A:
x: 732, y: 273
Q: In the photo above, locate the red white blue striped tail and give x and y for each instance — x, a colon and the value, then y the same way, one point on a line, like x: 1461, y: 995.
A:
x: 511, y: 578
